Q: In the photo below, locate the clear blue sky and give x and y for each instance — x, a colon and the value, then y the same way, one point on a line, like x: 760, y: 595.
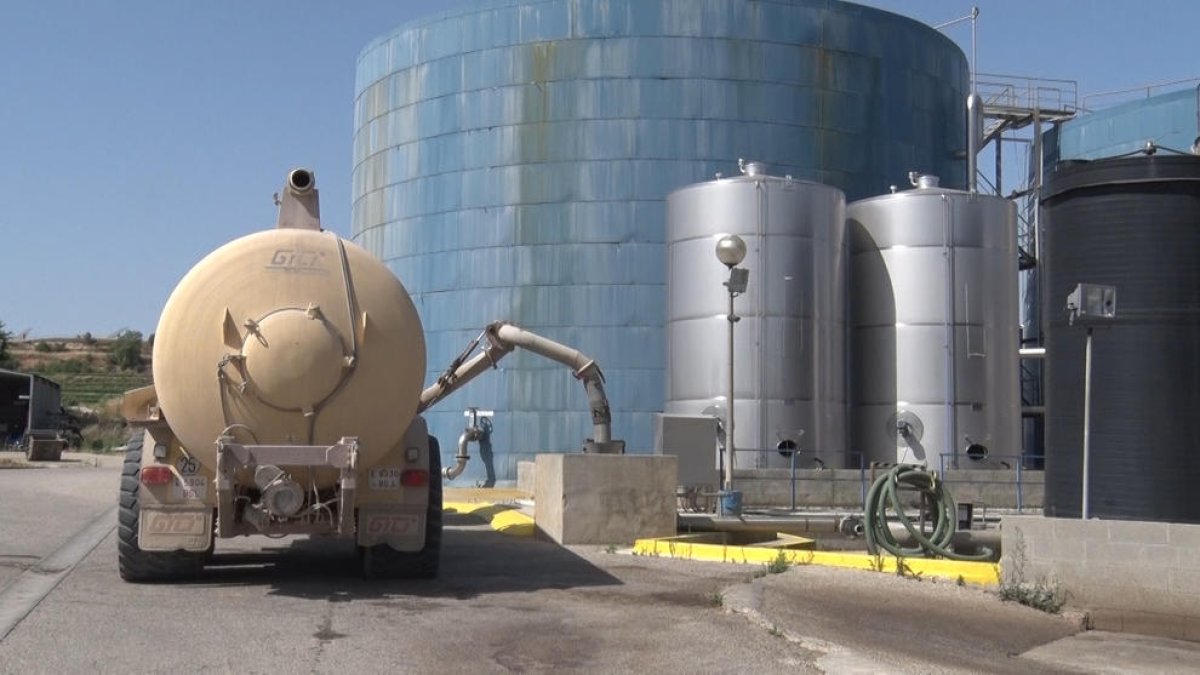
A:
x: 137, y: 136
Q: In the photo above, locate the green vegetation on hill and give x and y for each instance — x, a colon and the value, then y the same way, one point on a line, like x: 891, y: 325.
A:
x: 93, y: 373
x: 90, y: 370
x: 92, y: 389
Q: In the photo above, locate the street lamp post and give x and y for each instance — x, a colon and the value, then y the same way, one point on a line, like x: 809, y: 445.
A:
x: 1089, y: 304
x: 731, y: 251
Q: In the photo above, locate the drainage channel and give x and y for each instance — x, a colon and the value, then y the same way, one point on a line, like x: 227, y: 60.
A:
x: 25, y: 592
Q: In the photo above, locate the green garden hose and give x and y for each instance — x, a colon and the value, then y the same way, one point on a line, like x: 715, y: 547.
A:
x: 884, y: 495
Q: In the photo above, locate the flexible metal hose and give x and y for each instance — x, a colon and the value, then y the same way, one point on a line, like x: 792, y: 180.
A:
x: 884, y: 495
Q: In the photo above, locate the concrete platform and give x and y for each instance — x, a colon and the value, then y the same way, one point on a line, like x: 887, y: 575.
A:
x: 604, y: 499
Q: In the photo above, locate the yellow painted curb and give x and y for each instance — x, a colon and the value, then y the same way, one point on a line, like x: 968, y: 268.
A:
x: 503, y: 518
x: 982, y: 574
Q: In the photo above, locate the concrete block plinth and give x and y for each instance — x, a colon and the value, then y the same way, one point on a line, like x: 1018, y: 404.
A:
x: 525, y: 477
x: 604, y: 499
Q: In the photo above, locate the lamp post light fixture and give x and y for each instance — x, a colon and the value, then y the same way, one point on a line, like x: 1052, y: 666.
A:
x: 1089, y: 304
x: 731, y: 251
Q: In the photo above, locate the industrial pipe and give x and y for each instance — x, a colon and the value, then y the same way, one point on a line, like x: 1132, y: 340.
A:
x: 300, y: 203
x: 460, y: 464
x: 502, y: 338
x: 584, y: 368
x: 300, y: 181
x: 974, y: 139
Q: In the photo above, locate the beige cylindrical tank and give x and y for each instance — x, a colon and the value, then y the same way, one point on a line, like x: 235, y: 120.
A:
x: 289, y: 337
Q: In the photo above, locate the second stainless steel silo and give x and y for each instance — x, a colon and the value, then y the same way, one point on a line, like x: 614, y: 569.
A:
x: 790, y: 342
x: 934, y: 334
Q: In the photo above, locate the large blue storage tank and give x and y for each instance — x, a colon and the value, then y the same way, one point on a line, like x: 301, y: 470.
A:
x: 512, y: 159
x: 1170, y: 120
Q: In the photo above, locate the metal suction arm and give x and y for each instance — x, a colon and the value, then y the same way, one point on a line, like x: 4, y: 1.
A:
x: 502, y: 338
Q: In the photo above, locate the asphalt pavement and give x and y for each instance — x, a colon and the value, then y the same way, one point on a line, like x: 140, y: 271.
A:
x: 502, y: 604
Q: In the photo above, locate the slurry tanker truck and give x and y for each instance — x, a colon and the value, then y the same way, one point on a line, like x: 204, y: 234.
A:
x: 287, y: 400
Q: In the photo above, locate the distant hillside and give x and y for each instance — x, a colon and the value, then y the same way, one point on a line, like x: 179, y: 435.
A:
x: 90, y: 370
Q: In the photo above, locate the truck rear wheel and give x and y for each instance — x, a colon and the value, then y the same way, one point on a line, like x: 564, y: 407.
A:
x: 134, y: 563
x: 384, y: 562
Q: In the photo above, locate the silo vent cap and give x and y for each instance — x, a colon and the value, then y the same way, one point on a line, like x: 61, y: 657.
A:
x: 753, y: 168
x: 923, y: 181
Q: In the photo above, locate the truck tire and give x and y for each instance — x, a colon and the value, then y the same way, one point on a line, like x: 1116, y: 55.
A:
x: 384, y: 562
x: 135, y: 564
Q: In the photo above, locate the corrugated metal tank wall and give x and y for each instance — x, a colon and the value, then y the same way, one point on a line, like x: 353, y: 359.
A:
x: 512, y: 160
x: 1171, y: 120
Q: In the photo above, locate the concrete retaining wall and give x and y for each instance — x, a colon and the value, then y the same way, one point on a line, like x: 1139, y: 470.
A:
x: 1135, y: 577
x: 846, y: 488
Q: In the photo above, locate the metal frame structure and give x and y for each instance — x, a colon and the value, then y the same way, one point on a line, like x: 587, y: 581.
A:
x: 232, y: 456
x: 1016, y: 110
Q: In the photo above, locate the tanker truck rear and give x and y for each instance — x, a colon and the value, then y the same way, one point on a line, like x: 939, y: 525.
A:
x: 286, y: 401
x: 287, y: 374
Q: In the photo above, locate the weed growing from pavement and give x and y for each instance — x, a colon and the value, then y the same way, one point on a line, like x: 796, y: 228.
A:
x: 905, y: 571
x: 611, y: 548
x: 1042, y: 594
x: 780, y: 564
x: 775, y: 631
x: 1046, y: 596
x: 716, y: 599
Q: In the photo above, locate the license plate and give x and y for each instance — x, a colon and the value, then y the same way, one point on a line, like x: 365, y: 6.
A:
x: 385, y: 478
x: 190, y: 488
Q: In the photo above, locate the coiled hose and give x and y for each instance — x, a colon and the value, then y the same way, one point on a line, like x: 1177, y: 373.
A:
x: 885, y: 494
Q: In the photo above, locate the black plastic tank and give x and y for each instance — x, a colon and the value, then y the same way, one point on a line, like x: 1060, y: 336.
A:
x: 1133, y: 223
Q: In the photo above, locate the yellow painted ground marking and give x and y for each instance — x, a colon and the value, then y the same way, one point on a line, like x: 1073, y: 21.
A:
x: 503, y: 518
x: 982, y: 574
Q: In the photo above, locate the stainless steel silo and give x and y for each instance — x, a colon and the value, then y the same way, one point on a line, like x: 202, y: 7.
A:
x: 934, y: 337
x: 789, y: 346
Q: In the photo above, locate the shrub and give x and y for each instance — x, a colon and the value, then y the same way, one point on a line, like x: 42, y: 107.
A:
x: 126, y: 351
